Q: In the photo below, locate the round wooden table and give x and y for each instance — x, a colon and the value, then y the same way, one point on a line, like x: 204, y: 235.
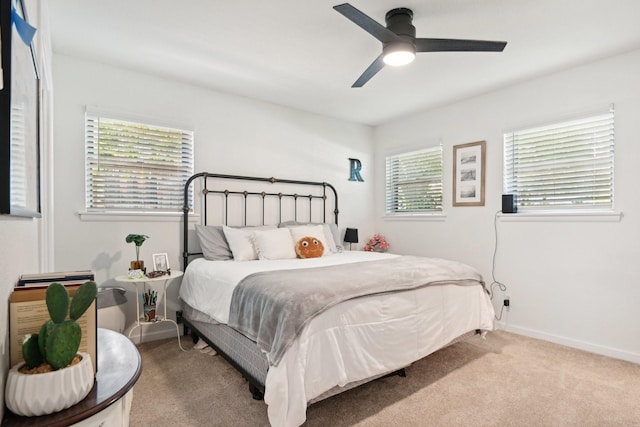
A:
x: 119, y: 367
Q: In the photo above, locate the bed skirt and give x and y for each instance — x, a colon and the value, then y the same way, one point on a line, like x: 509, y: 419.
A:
x: 247, y: 358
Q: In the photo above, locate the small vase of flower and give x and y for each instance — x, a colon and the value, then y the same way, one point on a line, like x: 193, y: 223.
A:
x: 377, y: 243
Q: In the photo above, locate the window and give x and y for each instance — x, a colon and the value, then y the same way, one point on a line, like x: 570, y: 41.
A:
x: 564, y: 166
x: 414, y: 182
x: 134, y: 166
x: 18, y: 163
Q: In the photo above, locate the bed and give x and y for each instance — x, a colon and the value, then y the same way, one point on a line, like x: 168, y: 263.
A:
x: 301, y: 330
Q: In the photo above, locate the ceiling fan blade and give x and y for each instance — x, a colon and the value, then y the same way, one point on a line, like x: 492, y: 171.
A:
x: 458, y: 45
x: 374, y: 28
x: 371, y: 71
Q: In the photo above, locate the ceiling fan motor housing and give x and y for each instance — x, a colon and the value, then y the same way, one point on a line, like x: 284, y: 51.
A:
x: 400, y: 22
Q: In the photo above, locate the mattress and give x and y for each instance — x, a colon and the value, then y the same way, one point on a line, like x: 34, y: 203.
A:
x: 353, y: 341
x: 208, y: 286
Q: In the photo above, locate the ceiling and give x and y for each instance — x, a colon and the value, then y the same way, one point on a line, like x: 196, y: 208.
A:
x: 303, y: 54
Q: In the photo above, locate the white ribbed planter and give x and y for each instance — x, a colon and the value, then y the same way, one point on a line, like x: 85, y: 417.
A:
x: 41, y: 394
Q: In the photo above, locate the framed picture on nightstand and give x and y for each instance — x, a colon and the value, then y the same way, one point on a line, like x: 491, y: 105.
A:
x: 160, y: 262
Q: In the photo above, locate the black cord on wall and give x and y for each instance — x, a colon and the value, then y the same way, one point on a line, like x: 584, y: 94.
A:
x: 495, y: 283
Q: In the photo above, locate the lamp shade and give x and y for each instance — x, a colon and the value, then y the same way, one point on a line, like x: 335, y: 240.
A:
x: 351, y: 235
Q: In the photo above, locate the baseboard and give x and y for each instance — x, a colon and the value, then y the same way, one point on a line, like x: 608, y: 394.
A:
x: 152, y: 332
x: 570, y: 342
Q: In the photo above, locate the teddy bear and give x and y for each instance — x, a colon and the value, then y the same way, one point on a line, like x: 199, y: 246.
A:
x: 309, y: 247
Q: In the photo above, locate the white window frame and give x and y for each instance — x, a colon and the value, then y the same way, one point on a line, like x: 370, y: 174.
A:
x: 160, y: 161
x: 585, y: 147
x: 421, y: 178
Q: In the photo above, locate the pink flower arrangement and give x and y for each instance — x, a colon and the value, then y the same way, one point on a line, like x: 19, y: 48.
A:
x: 377, y: 244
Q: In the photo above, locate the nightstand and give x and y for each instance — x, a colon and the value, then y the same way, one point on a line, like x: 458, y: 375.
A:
x: 147, y: 284
x: 109, y: 401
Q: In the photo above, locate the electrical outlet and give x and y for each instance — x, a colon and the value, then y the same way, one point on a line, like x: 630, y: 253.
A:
x: 507, y: 301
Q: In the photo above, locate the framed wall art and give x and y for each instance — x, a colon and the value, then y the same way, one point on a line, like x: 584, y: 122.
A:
x: 19, y: 114
x: 468, y: 174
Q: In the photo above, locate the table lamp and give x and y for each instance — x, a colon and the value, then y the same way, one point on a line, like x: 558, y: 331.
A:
x: 351, y: 236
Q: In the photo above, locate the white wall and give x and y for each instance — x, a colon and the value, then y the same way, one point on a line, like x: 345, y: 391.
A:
x: 19, y: 254
x: 25, y: 242
x: 570, y: 282
x: 233, y: 135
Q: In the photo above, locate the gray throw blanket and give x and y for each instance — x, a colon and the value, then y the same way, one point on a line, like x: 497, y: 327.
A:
x: 273, y: 307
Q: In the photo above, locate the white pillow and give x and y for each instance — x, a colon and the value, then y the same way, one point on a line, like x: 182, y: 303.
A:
x: 330, y: 240
x: 330, y: 232
x: 274, y: 244
x: 317, y: 231
x: 243, y: 240
x: 240, y: 243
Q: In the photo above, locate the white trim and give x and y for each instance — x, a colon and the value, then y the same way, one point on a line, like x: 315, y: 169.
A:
x: 574, y: 216
x: 570, y: 342
x: 152, y: 332
x: 408, y: 148
x: 553, y: 117
x: 137, y: 216
x: 130, y: 116
x: 416, y: 217
x: 46, y: 227
x: 47, y: 252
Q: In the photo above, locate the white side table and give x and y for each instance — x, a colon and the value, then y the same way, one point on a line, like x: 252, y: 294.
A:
x: 141, y: 287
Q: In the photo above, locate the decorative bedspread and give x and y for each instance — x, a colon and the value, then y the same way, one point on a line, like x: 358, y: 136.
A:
x: 273, y: 307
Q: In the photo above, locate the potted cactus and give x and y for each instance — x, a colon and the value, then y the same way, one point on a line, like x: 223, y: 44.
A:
x: 53, y: 376
x: 138, y: 240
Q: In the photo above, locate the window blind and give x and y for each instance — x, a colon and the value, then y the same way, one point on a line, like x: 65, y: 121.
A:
x: 18, y: 158
x: 414, y: 182
x: 136, y: 167
x: 563, y: 166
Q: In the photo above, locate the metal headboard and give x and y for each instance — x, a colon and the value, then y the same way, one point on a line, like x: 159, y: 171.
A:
x: 208, y: 189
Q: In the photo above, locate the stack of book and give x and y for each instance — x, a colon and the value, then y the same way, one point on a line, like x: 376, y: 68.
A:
x: 28, y: 310
x: 42, y: 280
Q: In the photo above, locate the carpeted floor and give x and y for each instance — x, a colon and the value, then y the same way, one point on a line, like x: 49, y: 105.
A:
x: 505, y: 380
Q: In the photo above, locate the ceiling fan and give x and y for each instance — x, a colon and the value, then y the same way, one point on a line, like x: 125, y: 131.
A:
x: 399, y: 42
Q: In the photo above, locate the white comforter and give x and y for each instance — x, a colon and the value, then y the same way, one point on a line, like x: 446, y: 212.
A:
x: 208, y: 285
x: 354, y: 340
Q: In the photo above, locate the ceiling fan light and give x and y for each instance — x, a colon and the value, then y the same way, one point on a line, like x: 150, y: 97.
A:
x: 399, y: 58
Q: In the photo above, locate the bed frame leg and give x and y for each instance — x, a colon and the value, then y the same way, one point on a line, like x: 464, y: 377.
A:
x: 255, y: 392
x: 185, y: 328
x: 400, y: 372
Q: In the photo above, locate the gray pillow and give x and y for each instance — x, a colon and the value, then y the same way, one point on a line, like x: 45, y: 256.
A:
x: 213, y: 243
